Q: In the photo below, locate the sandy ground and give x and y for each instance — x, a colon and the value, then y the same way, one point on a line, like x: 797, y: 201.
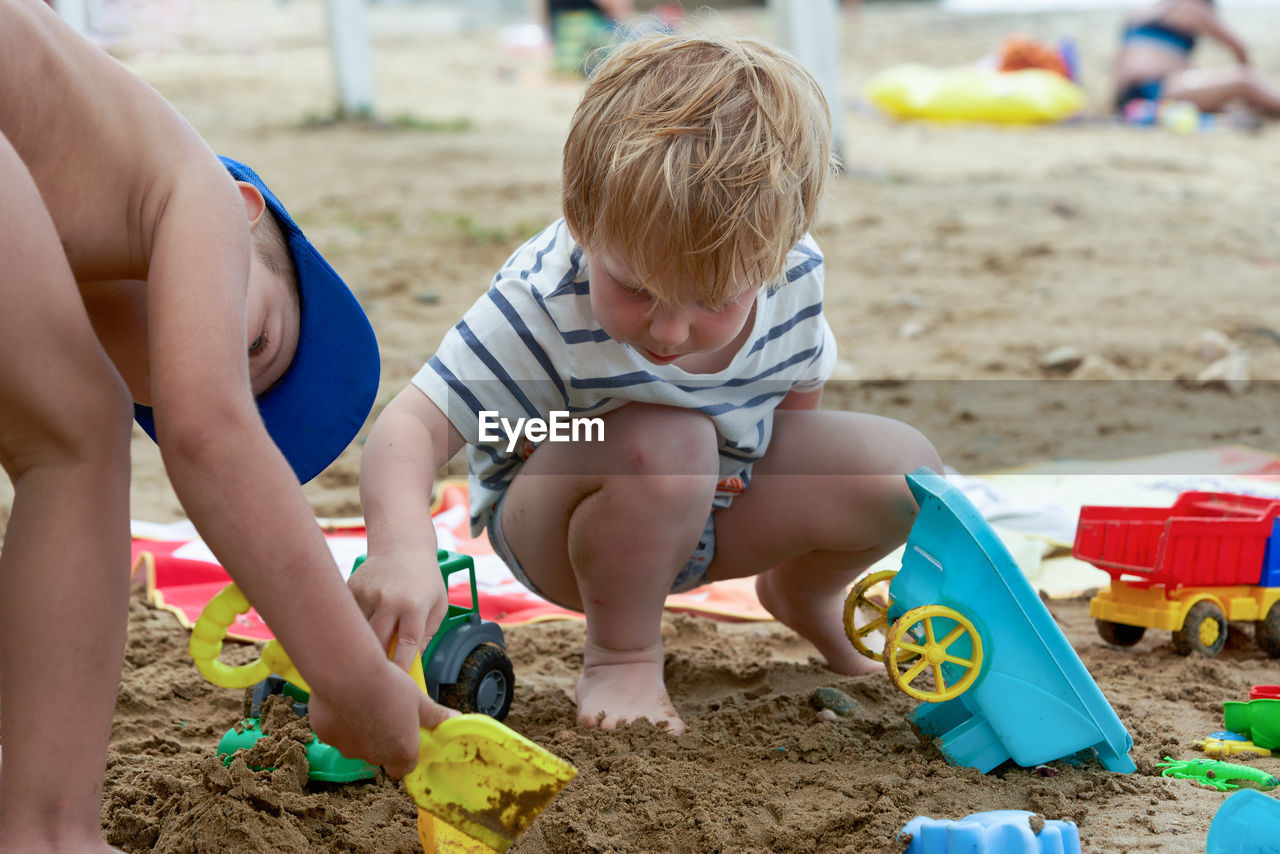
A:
x: 958, y: 258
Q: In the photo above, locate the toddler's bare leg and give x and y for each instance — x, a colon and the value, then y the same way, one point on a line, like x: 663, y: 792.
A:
x: 826, y: 502
x: 605, y: 527
x: 64, y: 586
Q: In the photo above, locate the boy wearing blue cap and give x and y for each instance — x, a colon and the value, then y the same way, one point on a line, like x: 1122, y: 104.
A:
x: 638, y: 390
x: 138, y: 267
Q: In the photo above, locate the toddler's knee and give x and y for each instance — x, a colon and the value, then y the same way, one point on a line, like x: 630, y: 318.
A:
x: 887, y: 503
x: 892, y: 447
x: 661, y: 440
x: 913, y: 450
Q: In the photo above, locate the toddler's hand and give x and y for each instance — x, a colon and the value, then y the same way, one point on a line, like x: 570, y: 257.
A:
x: 404, y: 599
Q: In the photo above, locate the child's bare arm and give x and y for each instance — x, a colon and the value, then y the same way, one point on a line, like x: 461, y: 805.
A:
x: 236, y: 486
x: 399, y: 587
x: 1205, y: 18
x: 1228, y: 39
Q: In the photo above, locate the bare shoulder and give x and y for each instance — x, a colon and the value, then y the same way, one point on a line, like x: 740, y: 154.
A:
x: 51, y: 73
x: 29, y: 30
x: 12, y: 10
x: 1190, y: 15
x: 93, y: 135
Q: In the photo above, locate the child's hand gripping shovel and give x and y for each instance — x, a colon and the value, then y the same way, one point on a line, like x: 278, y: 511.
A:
x: 473, y: 772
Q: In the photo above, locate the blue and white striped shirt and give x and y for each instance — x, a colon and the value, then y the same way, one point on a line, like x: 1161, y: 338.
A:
x: 531, y: 346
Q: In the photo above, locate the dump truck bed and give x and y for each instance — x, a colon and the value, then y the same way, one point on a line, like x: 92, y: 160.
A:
x: 1206, y: 539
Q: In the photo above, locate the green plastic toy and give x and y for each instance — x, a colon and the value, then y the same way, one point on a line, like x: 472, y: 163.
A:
x: 465, y: 666
x: 1258, y: 720
x: 1223, y: 776
x: 326, y: 763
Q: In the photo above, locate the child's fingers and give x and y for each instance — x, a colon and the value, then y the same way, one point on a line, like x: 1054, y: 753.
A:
x: 383, y: 622
x: 434, y: 616
x: 410, y: 641
x: 398, y: 768
x: 380, y: 726
x: 431, y: 714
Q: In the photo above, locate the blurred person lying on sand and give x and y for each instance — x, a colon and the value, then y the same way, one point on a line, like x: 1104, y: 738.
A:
x: 1154, y: 62
x: 679, y: 302
x: 141, y: 269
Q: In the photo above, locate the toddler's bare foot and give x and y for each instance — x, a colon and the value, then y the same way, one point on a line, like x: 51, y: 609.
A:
x: 819, y: 620
x: 617, y: 687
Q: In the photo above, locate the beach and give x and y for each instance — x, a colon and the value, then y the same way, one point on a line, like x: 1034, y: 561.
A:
x: 1083, y: 290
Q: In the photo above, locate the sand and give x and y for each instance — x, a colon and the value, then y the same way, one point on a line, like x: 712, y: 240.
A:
x: 758, y: 770
x: 958, y: 257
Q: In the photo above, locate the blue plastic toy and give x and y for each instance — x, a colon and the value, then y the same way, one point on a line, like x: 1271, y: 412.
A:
x: 994, y: 832
x: 1248, y: 822
x: 1006, y: 684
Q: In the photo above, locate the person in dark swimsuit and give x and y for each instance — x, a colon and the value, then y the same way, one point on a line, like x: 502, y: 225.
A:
x: 1154, y: 62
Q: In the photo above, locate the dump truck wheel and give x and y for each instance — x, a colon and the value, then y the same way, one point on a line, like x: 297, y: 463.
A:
x: 1267, y: 632
x: 485, y: 683
x: 1119, y: 634
x: 1203, y: 631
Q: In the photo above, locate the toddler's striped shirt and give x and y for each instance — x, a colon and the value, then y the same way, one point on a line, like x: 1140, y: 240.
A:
x: 531, y: 347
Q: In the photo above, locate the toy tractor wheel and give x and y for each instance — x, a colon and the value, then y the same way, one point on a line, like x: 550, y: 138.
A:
x: 1119, y: 634
x: 858, y: 605
x: 919, y: 633
x: 1267, y: 632
x: 1203, y: 631
x: 485, y: 683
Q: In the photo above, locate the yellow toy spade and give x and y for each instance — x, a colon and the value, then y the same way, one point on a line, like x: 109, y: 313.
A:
x: 473, y: 772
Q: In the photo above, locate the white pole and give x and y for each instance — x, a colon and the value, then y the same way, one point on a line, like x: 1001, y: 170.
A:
x: 810, y: 29
x: 349, y: 45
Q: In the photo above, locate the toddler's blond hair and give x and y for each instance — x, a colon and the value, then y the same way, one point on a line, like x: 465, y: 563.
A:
x: 697, y: 160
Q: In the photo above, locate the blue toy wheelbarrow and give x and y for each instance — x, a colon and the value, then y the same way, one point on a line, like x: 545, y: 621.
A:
x: 967, y: 634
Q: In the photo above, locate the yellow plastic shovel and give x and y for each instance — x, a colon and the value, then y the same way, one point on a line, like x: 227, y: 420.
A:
x: 473, y: 772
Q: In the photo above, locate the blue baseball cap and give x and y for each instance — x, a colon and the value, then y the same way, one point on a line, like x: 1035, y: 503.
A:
x: 316, y: 408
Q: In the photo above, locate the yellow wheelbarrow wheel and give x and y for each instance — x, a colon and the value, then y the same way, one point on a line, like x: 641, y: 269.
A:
x: 857, y: 605
x: 913, y: 634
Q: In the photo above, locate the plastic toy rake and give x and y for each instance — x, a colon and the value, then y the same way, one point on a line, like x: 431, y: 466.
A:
x: 473, y: 772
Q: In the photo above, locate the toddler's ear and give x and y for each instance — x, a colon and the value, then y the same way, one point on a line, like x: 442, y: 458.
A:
x: 254, y: 205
